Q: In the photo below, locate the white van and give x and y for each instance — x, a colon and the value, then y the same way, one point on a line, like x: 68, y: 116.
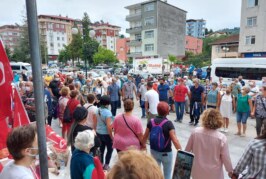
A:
x: 20, y: 66
x: 229, y: 68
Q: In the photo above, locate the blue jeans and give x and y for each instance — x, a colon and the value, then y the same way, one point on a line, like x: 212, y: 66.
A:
x: 179, y: 110
x: 114, y: 105
x: 142, y: 104
x: 242, y: 117
x: 165, y: 158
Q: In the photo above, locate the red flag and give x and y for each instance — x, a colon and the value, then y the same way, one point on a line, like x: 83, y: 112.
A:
x: 20, y: 115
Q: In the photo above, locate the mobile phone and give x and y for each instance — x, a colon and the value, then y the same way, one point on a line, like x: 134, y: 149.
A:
x: 183, y: 165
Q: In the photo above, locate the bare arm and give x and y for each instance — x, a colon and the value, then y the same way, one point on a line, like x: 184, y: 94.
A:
x: 109, y: 127
x: 145, y: 136
x: 94, y: 119
x: 250, y: 104
x: 234, y: 104
x: 146, y: 106
x: 218, y: 103
x: 175, y: 140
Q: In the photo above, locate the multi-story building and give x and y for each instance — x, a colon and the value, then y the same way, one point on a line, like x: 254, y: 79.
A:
x: 193, y: 44
x: 156, y: 29
x: 196, y: 28
x: 56, y: 31
x: 106, y: 34
x: 122, y: 49
x: 10, y: 35
x: 252, y: 42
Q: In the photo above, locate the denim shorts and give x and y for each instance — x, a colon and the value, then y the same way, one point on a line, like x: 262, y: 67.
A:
x: 241, y: 117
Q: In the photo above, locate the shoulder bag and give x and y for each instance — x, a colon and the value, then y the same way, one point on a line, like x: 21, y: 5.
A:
x: 131, y: 128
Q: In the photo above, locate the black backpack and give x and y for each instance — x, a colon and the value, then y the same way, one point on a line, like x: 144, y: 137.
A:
x: 67, y: 118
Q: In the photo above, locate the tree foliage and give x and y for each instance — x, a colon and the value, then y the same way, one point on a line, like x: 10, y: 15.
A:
x: 8, y: 53
x: 104, y: 56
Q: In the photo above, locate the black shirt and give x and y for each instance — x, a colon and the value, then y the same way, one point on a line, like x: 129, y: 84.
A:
x: 167, y: 127
x: 196, y: 93
x: 208, y: 70
x: 54, y: 85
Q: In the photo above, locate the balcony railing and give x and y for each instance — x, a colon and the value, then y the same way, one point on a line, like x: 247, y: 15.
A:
x: 134, y: 30
x: 134, y: 54
x: 134, y: 42
x: 133, y: 17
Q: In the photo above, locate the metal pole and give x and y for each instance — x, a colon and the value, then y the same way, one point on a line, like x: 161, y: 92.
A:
x: 38, y: 83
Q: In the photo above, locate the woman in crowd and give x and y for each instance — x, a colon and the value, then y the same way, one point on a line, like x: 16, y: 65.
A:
x: 133, y: 164
x: 253, y: 159
x: 128, y: 130
x: 63, y: 100
x: 82, y: 164
x: 104, y: 130
x: 213, y: 97
x: 72, y: 104
x: 259, y: 110
x: 244, y: 105
x: 99, y: 91
x: 92, y: 110
x: 165, y: 155
x: 209, y: 147
x: 227, y: 106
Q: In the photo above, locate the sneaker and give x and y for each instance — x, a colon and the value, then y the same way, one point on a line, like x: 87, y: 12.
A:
x: 143, y: 117
x: 225, y: 130
x: 180, y: 121
x: 176, y: 120
x: 222, y: 130
x: 195, y: 124
x: 106, y: 167
x: 191, y: 123
x: 243, y: 135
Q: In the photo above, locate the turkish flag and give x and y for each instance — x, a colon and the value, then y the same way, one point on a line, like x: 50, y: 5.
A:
x: 20, y: 115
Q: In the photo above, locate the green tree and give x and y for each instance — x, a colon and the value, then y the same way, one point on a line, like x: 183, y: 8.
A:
x: 104, y: 56
x: 8, y: 53
x: 75, y: 47
x: 64, y: 54
x: 86, y: 26
x: 130, y: 60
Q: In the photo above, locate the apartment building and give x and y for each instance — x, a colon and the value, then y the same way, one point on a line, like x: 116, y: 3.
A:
x: 193, y: 44
x: 156, y: 29
x: 122, y: 49
x: 252, y: 42
x: 10, y: 35
x: 196, y: 28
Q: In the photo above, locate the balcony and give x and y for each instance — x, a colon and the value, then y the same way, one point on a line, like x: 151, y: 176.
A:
x: 134, y: 30
x: 133, y: 17
x: 134, y: 42
x: 134, y: 54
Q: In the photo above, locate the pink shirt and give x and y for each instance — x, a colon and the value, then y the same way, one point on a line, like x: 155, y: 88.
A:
x: 124, y: 137
x: 211, y: 153
x: 62, y: 106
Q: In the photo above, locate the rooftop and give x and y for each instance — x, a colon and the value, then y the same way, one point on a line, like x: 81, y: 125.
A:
x: 56, y: 17
x: 227, y: 40
x: 195, y: 20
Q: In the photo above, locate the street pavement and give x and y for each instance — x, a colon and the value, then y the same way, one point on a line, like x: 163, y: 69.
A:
x: 237, y: 144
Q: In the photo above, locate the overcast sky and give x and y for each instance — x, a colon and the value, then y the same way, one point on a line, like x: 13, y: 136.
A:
x: 218, y: 13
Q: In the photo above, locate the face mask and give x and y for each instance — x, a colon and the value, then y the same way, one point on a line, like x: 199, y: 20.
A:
x: 27, y: 88
x: 129, y: 81
x: 57, y: 79
x: 250, y: 84
x: 34, y: 156
x: 23, y: 88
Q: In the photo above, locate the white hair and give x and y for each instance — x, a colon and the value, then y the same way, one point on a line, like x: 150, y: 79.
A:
x: 84, y: 140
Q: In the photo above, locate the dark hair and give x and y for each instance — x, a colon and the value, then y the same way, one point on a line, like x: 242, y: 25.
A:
x: 74, y: 93
x: 214, y: 84
x: 150, y: 84
x: 128, y: 105
x: 163, y: 109
x: 20, y: 138
x: 71, y: 87
x: 91, y: 98
x: 105, y: 100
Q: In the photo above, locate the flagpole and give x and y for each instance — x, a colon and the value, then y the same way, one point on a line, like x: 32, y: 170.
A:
x: 38, y: 83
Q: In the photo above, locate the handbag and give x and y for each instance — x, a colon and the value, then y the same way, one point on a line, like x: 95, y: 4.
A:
x: 131, y: 129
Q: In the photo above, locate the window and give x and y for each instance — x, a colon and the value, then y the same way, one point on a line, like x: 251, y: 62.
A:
x: 149, y: 47
x: 251, y: 21
x: 51, y: 44
x: 149, y: 34
x: 57, y: 25
x: 121, y: 49
x: 62, y: 26
x: 58, y: 38
x: 149, y: 21
x: 247, y: 73
x: 138, y: 37
x: 63, y: 38
x: 149, y: 7
x: 250, y: 40
x: 14, y: 33
x: 252, y: 3
x: 15, y: 67
x: 50, y: 26
x: 218, y: 49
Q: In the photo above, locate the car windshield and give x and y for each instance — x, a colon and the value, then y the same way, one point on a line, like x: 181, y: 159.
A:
x: 28, y: 67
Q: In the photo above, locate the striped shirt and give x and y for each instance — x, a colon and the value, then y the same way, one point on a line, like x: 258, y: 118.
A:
x: 254, y: 158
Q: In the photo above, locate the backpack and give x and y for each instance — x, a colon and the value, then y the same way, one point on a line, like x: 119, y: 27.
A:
x: 157, y: 139
x: 67, y: 117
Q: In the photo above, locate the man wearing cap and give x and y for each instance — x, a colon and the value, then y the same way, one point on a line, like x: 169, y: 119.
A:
x: 129, y: 88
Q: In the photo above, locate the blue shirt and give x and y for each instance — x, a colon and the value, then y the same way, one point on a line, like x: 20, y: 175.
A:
x: 163, y: 92
x: 113, y: 91
x: 191, y: 69
x: 102, y: 115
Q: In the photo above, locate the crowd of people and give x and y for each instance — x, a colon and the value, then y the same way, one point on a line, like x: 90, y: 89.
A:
x: 92, y: 128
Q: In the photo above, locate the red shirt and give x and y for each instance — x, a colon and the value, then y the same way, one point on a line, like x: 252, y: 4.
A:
x: 72, y: 104
x: 180, y: 93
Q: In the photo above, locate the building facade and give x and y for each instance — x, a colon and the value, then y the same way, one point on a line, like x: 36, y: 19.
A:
x: 156, y: 29
x: 106, y: 34
x: 252, y: 42
x: 56, y: 31
x: 122, y: 49
x: 195, y: 28
x: 193, y: 44
x: 10, y: 35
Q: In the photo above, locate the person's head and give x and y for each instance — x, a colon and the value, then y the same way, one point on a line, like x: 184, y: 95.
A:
x: 142, y: 81
x: 163, y: 109
x: 71, y: 87
x: 263, y: 79
x: 263, y: 90
x: 129, y: 78
x: 80, y: 114
x: 56, y: 77
x: 22, y: 144
x: 64, y: 91
x: 214, y: 85
x: 162, y: 81
x: 84, y: 141
x: 133, y: 164
x: 128, y: 105
x: 91, y: 98
x: 74, y: 94
x: 100, y: 83
x: 149, y: 85
x: 245, y: 90
x: 114, y: 80
x: 29, y: 86
x: 196, y: 82
x: 105, y: 100
x: 221, y: 79
x: 252, y: 83
x: 212, y: 119
x: 228, y: 90
x: 207, y: 81
x: 77, y: 85
x: 181, y: 81
x: 240, y: 78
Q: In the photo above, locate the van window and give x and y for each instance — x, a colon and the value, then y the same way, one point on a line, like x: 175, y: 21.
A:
x: 247, y: 73
x: 15, y: 67
x: 24, y: 68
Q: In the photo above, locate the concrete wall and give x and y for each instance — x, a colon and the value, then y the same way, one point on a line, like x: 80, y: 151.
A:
x: 149, y: 41
x: 217, y: 52
x: 171, y: 30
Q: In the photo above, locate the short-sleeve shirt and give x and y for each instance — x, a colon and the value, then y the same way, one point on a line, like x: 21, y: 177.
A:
x: 129, y: 88
x: 143, y: 90
x: 54, y: 85
x: 180, y: 93
x: 167, y: 127
x: 242, y: 103
x: 102, y: 115
x: 113, y: 91
x: 124, y: 137
x: 13, y: 171
x: 152, y: 97
x: 196, y: 93
x: 92, y: 110
x: 260, y: 103
x: 163, y: 92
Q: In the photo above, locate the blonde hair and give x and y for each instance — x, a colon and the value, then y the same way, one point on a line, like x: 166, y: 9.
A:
x: 134, y: 164
x: 212, y: 119
x: 64, y: 91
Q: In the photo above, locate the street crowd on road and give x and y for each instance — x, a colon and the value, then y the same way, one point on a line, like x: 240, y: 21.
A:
x: 86, y: 110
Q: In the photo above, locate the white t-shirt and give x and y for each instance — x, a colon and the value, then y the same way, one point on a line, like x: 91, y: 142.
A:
x: 13, y: 171
x: 91, y: 111
x: 152, y: 97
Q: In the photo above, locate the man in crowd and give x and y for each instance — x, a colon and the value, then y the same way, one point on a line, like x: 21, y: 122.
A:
x: 151, y: 102
x: 241, y: 81
x: 142, y: 92
x: 28, y: 100
x: 119, y: 84
x: 129, y: 88
x: 80, y: 79
x: 208, y: 70
x: 113, y: 91
x: 163, y: 89
x: 54, y: 87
